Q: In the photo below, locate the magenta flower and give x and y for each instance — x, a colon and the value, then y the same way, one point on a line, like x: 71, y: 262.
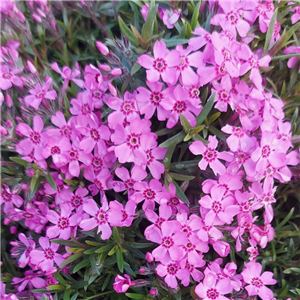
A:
x: 295, y: 17
x: 171, y: 271
x: 257, y: 281
x: 165, y: 213
x: 127, y: 183
x: 231, y: 19
x: 122, y: 284
x: 77, y: 199
x: 196, y: 274
x: 68, y: 75
x: 252, y: 62
x: 40, y: 93
x: 47, y: 256
x: 169, y: 17
x: 127, y: 141
x: 120, y: 216
x: 9, y: 77
x: 162, y: 65
x: 178, y: 102
x: 21, y: 250
x: 9, y: 199
x: 211, y: 288
x: 124, y: 109
x: 150, y: 101
x: 63, y: 192
x: 292, y: 49
x: 210, y: 155
x: 170, y: 239
x: 32, y: 279
x: 93, y: 76
x: 64, y: 224
x: 147, y: 192
x: 221, y: 208
x: 99, y: 218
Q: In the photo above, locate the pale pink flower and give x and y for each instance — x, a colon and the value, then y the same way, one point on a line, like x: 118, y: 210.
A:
x: 257, y: 281
x: 10, y: 77
x: 32, y: 279
x: 47, y: 256
x: 212, y: 288
x: 170, y: 239
x: 169, y: 17
x: 9, y: 199
x: 210, y: 155
x: 120, y: 216
x: 292, y: 49
x: 162, y: 65
x: 99, y: 218
x: 171, y: 270
x: 40, y: 93
x: 122, y: 284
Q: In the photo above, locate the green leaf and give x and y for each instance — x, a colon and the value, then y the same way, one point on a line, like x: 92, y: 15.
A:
x: 59, y: 278
x: 177, y: 138
x: 116, y: 236
x: 120, y: 261
x: 138, y: 245
x: 174, y: 42
x: 51, y: 181
x: 181, y: 177
x: 74, y: 297
x: 19, y: 161
x: 168, y: 156
x: 214, y: 117
x: 195, y: 15
x: 34, y: 185
x: 70, y: 259
x: 104, y: 248
x: 81, y: 265
x: 135, y: 296
x: 135, y: 68
x: 206, y: 109
x: 147, y: 30
x: 185, y: 123
x: 66, y: 295
x: 285, y: 220
x: 65, y: 243
x: 270, y: 32
x: 56, y: 287
x: 93, y: 264
x: 106, y: 281
x: 127, y: 32
x: 180, y: 193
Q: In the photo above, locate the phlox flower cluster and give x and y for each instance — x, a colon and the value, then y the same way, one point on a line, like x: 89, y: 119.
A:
x: 119, y: 153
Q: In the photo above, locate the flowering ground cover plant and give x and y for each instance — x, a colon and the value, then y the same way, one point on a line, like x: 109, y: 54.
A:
x: 150, y: 150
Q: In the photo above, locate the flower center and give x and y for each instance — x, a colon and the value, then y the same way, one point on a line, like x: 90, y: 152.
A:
x: 210, y: 155
x: 159, y: 221
x: 174, y: 201
x: 97, y: 94
x: 186, y: 229
x: 189, y: 247
x: 40, y: 95
x: 35, y: 137
x: 172, y: 269
x: 184, y: 63
x: 133, y: 141
x: 257, y: 282
x: 66, y: 131
x: 85, y: 109
x: 167, y: 242
x: 55, y: 150
x: 63, y: 223
x: 28, y: 215
x: 7, y: 76
x: 49, y: 253
x: 150, y: 157
x: 95, y: 134
x: 224, y: 96
x: 129, y: 183
x: 194, y: 92
x: 149, y: 194
x: 226, y: 54
x: 180, y: 106
x: 237, y: 131
x: 101, y: 217
x: 127, y: 107
x: 97, y: 163
x: 253, y: 62
x: 155, y: 98
x: 124, y: 215
x: 76, y: 201
x: 232, y: 17
x: 265, y: 151
x: 160, y: 65
x: 216, y: 206
x: 6, y: 196
x: 98, y: 184
x: 74, y: 154
x: 212, y: 294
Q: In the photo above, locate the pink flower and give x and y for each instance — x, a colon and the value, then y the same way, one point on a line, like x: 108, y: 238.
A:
x: 210, y: 155
x: 31, y: 278
x: 120, y: 216
x: 162, y: 65
x: 295, y: 17
x: 9, y: 77
x: 169, y: 17
x: 170, y: 240
x: 211, y: 288
x: 99, y: 218
x: 165, y: 213
x: 122, y: 284
x: 150, y: 101
x: 257, y: 281
x: 144, y: 11
x: 40, y: 93
x: 64, y: 224
x: 252, y: 62
x: 171, y: 271
x: 292, y: 49
x: 47, y: 256
x: 9, y: 199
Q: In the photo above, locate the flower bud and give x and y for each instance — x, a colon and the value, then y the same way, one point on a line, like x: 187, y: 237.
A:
x: 13, y: 229
x: 116, y: 72
x: 102, y: 48
x: 149, y: 257
x: 153, y: 292
x: 112, y: 89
